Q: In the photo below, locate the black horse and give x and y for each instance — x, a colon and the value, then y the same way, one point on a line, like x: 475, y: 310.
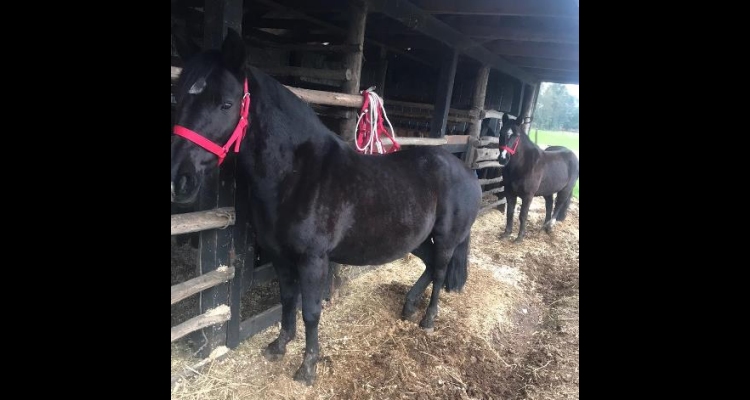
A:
x: 313, y: 198
x: 529, y: 171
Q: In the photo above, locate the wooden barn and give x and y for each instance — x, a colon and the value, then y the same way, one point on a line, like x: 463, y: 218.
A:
x: 447, y: 71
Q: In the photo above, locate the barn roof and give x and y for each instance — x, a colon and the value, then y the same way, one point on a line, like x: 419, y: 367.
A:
x: 531, y: 40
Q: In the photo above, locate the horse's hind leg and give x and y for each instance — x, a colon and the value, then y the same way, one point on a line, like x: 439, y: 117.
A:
x: 548, y: 203
x: 523, y: 216
x: 312, y: 277
x: 509, y: 211
x: 289, y: 288
x: 439, y: 270
x: 425, y: 252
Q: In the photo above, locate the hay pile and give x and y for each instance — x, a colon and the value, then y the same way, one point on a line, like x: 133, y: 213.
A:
x: 501, y: 338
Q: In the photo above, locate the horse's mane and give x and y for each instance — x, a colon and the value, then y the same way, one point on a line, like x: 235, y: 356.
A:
x: 272, y: 92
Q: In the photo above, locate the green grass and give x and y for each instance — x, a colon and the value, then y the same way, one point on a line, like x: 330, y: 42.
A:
x: 553, y: 138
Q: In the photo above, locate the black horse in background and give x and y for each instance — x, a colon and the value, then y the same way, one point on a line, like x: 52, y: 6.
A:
x: 313, y: 198
x: 529, y: 171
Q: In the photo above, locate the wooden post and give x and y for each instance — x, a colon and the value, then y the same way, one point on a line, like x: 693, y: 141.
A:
x: 528, y: 107
x: 353, y: 61
x: 480, y: 93
x: 243, y: 258
x: 477, y: 105
x: 218, y: 190
x: 215, y: 248
x: 382, y: 72
x: 444, y: 94
x: 220, y: 15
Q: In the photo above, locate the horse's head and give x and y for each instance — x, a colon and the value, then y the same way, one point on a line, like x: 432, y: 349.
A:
x: 210, y: 99
x: 509, y: 138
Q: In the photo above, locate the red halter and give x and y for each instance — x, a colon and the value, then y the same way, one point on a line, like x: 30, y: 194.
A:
x: 236, y: 138
x: 515, y: 146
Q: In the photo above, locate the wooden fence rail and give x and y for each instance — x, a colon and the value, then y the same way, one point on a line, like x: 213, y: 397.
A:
x: 202, y: 220
x: 211, y: 317
x: 190, y: 287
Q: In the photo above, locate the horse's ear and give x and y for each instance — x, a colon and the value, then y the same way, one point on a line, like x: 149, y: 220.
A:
x: 505, y: 118
x: 233, y: 51
x: 186, y: 48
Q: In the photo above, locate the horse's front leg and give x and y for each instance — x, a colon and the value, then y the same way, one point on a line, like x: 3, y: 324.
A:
x: 523, y: 216
x: 509, y: 211
x: 288, y: 288
x: 313, y: 270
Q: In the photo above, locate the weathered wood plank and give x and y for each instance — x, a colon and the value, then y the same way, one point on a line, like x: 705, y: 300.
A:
x: 255, y: 324
x: 486, y: 154
x: 486, y: 164
x: 190, y: 287
x: 211, y: 317
x: 202, y: 220
x: 489, y: 181
x: 444, y: 94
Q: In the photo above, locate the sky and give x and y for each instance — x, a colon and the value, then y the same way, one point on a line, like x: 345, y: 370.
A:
x: 573, y: 90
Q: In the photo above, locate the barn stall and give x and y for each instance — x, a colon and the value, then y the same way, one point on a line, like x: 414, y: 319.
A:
x: 447, y: 72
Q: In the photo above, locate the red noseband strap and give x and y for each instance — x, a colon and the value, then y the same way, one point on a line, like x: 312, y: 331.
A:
x: 235, y: 139
x: 513, y: 150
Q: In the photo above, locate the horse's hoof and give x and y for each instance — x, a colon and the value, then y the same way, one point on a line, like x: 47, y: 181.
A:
x: 272, y: 354
x: 518, y: 240
x: 408, y: 313
x: 305, y: 375
x: 504, y: 236
x: 427, y: 326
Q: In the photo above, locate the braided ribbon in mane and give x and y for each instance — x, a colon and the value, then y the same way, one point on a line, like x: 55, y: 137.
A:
x: 370, y: 126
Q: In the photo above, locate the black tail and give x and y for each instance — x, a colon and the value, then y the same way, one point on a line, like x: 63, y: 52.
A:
x: 561, y: 205
x: 458, y: 271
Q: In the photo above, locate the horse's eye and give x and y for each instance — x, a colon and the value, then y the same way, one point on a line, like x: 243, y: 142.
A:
x: 227, y: 105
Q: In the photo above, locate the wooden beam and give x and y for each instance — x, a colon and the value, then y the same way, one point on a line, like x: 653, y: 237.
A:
x: 495, y: 190
x: 319, y: 47
x: 294, y: 12
x: 492, y: 205
x: 242, y: 257
x: 353, y: 61
x: 554, y: 51
x: 416, y: 19
x: 555, y: 76
x: 327, y: 98
x: 218, y: 16
x: 478, y: 99
x: 490, y: 181
x: 190, y: 287
x: 318, y: 73
x: 525, y: 8
x: 209, y: 318
x: 486, y: 164
x: 545, y: 63
x: 517, y: 34
x: 444, y: 93
x: 527, y: 107
x: 259, y: 322
x: 202, y: 220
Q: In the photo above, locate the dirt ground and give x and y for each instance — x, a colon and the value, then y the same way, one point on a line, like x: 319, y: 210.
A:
x: 512, y: 333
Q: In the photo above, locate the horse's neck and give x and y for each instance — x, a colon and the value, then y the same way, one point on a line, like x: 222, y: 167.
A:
x: 281, y: 134
x: 526, y: 150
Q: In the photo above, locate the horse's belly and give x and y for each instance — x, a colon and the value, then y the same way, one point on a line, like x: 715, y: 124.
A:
x: 382, y: 241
